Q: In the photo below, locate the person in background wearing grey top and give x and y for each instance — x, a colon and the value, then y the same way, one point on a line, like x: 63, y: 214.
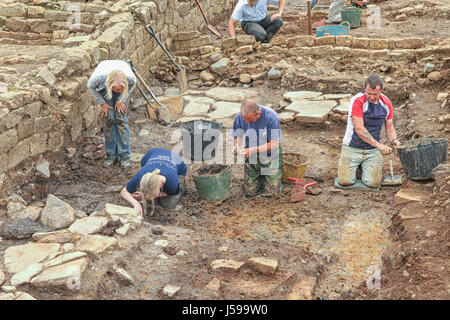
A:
x: 111, y: 84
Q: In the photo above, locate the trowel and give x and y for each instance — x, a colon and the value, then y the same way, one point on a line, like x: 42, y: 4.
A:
x: 300, y: 189
x: 392, y: 180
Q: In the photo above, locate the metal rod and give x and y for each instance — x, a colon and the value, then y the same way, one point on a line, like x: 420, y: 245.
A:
x: 145, y: 97
x: 308, y: 3
x: 153, y: 34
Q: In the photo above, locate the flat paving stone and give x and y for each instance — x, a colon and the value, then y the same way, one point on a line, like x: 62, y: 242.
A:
x: 95, y: 244
x: 27, y: 274
x: 66, y: 274
x: 301, y: 95
x: 311, y: 111
x: 224, y: 109
x: 342, y: 108
x: 88, y: 225
x: 226, y: 265
x: 227, y: 123
x: 124, y: 214
x: 286, y: 116
x: 18, y: 258
x: 64, y: 258
x: 231, y: 94
x: 194, y: 108
x: 333, y: 96
x: 61, y: 236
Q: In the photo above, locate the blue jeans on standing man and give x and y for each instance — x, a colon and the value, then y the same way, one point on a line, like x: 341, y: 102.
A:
x: 263, y: 30
x: 117, y: 132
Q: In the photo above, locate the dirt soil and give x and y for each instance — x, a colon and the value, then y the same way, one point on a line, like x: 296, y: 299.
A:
x: 210, y: 170
x: 294, y: 159
x: 339, y: 235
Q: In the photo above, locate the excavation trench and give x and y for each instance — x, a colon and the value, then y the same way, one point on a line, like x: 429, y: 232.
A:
x: 336, y: 238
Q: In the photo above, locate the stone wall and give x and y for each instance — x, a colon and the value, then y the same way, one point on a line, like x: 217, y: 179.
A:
x: 49, y: 107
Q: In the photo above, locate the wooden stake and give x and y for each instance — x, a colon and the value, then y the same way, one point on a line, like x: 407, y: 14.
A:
x: 309, y: 17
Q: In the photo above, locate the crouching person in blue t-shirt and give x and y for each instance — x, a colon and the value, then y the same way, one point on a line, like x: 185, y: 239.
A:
x: 160, y: 179
x: 263, y: 166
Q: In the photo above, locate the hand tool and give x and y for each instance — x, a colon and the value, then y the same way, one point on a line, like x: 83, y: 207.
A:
x: 163, y: 112
x: 300, y: 189
x: 181, y: 74
x: 392, y: 180
x: 210, y: 27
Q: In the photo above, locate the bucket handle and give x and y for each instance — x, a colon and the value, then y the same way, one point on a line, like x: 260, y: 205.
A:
x: 343, y: 23
x: 194, y: 167
x: 417, y: 135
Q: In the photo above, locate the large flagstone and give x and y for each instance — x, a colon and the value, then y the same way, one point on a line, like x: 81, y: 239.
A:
x: 68, y: 274
x: 18, y: 258
x: 311, y: 111
x: 231, y: 94
x: 224, y: 110
x: 301, y: 95
x: 124, y: 214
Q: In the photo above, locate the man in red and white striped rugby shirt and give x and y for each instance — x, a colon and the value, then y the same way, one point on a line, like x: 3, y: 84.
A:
x: 368, y: 111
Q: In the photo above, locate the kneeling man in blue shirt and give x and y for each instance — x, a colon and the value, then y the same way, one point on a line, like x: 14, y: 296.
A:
x: 254, y: 19
x: 263, y: 156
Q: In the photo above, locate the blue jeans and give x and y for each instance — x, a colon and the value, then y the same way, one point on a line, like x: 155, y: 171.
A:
x: 117, y: 133
x: 263, y: 30
x: 371, y: 162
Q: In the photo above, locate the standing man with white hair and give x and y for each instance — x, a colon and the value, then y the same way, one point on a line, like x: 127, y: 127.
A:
x: 111, y: 84
x: 263, y: 166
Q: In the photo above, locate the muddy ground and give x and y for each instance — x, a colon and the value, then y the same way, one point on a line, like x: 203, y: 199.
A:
x: 338, y: 234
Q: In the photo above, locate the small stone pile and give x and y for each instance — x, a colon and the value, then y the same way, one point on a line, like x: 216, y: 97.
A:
x: 62, y: 240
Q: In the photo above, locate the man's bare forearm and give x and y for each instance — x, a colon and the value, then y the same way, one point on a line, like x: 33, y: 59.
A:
x: 231, y: 28
x: 367, y: 137
x: 390, y: 131
x: 272, y: 144
x: 127, y: 196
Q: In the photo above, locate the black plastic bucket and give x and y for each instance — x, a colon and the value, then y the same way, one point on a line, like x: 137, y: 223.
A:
x: 200, y: 139
x: 420, y: 155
